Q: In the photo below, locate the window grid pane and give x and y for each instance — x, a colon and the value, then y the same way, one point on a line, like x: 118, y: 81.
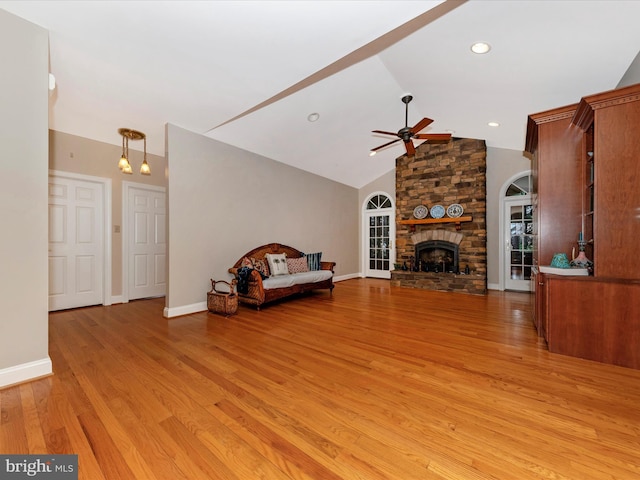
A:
x: 379, y: 242
x: 521, y: 242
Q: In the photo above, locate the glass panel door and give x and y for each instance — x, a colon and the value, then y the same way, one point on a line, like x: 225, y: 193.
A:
x: 379, y: 242
x: 379, y: 233
x: 519, y: 251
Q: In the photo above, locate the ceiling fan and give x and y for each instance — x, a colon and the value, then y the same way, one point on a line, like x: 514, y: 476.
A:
x: 406, y: 134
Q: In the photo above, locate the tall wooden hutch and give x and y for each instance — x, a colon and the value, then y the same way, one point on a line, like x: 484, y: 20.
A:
x: 586, y: 172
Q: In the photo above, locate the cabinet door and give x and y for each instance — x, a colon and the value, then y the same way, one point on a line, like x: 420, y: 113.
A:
x: 617, y: 192
x: 560, y: 189
x: 539, y: 303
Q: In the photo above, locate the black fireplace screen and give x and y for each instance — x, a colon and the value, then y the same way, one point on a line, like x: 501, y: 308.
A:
x: 437, y: 256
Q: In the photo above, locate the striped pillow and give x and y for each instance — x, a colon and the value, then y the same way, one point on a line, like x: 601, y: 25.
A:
x: 313, y: 260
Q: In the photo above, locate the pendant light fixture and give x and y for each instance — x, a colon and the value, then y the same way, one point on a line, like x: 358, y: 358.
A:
x: 124, y: 165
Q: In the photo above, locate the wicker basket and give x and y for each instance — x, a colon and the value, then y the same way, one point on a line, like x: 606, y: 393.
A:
x: 222, y: 302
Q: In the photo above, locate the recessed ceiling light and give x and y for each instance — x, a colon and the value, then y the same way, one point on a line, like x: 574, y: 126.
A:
x: 313, y: 117
x: 480, y: 48
x: 493, y: 124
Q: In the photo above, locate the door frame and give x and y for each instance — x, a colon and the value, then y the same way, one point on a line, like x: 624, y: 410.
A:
x: 126, y: 187
x: 106, y: 225
x: 365, y: 230
x: 502, y: 234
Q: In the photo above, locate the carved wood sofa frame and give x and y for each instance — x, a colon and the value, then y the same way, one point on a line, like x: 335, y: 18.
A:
x: 257, y: 295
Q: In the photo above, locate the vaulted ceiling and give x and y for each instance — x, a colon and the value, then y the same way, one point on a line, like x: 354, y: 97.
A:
x: 249, y: 73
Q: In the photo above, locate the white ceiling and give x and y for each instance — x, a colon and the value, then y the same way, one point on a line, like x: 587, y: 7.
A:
x: 248, y: 73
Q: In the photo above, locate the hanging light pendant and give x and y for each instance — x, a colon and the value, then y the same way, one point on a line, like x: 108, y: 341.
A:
x: 124, y: 161
x: 124, y: 165
x: 144, y: 168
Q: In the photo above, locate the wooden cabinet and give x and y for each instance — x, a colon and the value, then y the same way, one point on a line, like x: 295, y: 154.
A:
x: 539, y: 289
x: 594, y: 319
x: 586, y: 167
x: 555, y: 145
x: 613, y: 119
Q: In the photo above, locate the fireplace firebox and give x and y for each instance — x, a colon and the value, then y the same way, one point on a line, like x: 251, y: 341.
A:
x: 437, y: 256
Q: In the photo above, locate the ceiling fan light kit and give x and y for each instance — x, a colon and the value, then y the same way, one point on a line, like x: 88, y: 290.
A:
x: 407, y: 134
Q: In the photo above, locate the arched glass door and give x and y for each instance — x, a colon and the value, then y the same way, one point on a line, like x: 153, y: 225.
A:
x: 518, y: 228
x: 379, y: 233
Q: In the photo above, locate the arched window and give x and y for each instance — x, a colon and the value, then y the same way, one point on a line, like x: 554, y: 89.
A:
x: 379, y: 201
x: 520, y: 186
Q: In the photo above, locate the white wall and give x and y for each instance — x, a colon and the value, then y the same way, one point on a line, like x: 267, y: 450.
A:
x: 224, y: 201
x: 23, y: 200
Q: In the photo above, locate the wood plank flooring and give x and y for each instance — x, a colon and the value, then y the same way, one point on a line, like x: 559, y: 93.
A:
x: 372, y: 383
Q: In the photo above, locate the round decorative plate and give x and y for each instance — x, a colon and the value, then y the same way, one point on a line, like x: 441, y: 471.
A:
x: 454, y: 210
x: 437, y: 211
x: 420, y: 212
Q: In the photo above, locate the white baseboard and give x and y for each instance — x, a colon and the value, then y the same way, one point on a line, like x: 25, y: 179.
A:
x: 341, y: 278
x: 116, y: 299
x: 493, y: 286
x: 184, y: 310
x: 25, y: 372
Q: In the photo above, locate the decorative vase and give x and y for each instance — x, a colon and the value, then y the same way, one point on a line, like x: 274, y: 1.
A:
x: 581, y: 260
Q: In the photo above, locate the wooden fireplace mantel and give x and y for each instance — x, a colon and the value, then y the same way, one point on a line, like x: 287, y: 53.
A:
x: 425, y: 221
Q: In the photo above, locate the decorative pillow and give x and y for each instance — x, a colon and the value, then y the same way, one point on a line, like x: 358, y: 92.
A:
x: 261, y: 265
x: 313, y: 260
x: 297, y: 265
x: 277, y: 263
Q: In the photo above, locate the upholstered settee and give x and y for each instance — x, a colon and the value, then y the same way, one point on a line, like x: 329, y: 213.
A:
x: 274, y: 271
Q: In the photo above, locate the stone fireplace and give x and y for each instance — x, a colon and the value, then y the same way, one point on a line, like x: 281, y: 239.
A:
x: 447, y: 253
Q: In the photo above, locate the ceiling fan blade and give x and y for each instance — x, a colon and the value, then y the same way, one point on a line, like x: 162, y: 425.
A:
x: 434, y: 137
x: 421, y: 125
x: 410, y: 148
x: 385, y: 145
x: 385, y: 133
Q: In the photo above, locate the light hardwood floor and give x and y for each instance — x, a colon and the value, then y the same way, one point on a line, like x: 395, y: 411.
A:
x: 374, y: 382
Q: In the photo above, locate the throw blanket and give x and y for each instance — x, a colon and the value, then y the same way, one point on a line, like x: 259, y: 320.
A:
x: 244, y: 273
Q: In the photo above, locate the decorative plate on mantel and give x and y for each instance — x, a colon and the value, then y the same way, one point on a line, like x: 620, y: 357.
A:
x: 420, y: 212
x: 437, y: 211
x: 454, y: 210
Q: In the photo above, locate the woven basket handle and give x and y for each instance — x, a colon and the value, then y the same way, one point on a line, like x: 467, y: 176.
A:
x: 231, y: 286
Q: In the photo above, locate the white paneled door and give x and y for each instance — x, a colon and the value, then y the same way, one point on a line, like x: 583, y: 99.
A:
x: 76, y: 243
x: 145, y: 213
